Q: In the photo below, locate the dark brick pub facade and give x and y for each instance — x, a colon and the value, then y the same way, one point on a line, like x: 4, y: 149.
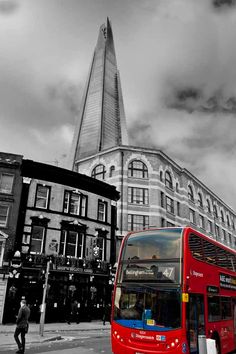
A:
x: 69, y: 220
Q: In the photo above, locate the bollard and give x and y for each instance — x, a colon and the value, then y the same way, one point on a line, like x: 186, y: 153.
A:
x: 211, y: 346
x: 202, y: 347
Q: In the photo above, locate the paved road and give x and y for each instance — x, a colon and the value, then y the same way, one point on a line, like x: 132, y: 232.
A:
x: 82, y: 344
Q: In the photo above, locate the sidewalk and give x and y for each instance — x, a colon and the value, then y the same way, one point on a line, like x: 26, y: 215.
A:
x: 52, y: 332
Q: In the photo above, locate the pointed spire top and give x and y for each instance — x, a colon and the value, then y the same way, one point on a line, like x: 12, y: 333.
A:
x: 101, y: 123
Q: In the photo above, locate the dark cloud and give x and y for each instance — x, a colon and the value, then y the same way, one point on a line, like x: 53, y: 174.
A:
x: 191, y: 99
x: 8, y: 6
x: 219, y: 4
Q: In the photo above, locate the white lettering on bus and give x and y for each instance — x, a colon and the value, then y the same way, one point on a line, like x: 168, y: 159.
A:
x: 196, y: 274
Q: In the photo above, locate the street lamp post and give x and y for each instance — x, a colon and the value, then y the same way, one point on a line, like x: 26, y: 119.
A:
x: 43, y: 305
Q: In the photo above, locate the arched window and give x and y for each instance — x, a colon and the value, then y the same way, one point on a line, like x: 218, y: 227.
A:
x: 190, y: 193
x: 99, y: 172
x: 233, y: 225
x: 222, y: 216
x: 215, y: 211
x: 228, y: 222
x: 137, y: 169
x: 168, y: 180
x: 161, y: 176
x: 112, y: 169
x: 200, y: 202
x: 208, y: 206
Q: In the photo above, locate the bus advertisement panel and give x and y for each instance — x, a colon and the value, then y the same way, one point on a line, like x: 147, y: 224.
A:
x: 171, y: 286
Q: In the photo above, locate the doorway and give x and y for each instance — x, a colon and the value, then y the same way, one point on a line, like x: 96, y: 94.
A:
x: 195, y: 321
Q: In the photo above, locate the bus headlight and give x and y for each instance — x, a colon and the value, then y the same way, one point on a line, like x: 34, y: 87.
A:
x: 172, y: 344
x: 118, y: 337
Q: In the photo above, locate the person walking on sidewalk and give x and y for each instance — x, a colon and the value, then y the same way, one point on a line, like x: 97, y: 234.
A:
x: 22, y: 326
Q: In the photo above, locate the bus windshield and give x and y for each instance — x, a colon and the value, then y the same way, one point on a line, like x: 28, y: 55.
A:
x: 147, y: 307
x: 152, y: 257
x: 156, y: 244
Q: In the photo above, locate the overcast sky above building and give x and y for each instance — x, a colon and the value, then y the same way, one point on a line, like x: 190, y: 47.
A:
x: 177, y: 65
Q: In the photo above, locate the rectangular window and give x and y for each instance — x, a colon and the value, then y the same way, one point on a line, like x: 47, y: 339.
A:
x: 162, y: 200
x: 138, y: 222
x: 224, y: 238
x: 170, y: 205
x: 138, y: 195
x: 6, y: 183
x: 102, y: 211
x: 178, y: 208
x: 217, y: 231
x: 192, y: 216
x: 209, y: 226
x: 42, y: 197
x: 4, y: 211
x: 230, y: 239
x: 201, y: 221
x: 219, y: 308
x: 75, y: 203
x: 37, y: 239
x: 101, y: 244
x: 213, y: 308
x: 71, y: 244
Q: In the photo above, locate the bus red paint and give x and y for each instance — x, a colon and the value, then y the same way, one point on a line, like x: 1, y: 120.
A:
x: 172, y: 285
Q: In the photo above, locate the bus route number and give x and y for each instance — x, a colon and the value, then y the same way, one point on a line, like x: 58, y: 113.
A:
x: 168, y: 272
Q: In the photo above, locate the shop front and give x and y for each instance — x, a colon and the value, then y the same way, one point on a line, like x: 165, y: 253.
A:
x: 73, y: 294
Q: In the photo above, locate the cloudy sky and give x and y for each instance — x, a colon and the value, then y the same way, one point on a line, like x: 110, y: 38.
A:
x: 177, y: 61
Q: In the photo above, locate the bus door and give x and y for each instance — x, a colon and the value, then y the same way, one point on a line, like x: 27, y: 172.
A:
x: 195, y: 321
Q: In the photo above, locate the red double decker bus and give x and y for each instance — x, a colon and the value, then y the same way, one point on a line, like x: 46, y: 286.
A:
x: 172, y: 286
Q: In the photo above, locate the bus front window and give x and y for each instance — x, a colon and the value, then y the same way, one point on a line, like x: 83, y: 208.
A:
x: 147, y: 307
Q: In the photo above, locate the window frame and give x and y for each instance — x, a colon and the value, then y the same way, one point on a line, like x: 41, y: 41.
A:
x: 99, y: 174
x: 193, y: 218
x: 170, y: 208
x: 47, y: 199
x: 82, y: 203
x: 190, y: 193
x: 138, y: 196
x: 104, y: 212
x: 215, y: 211
x: 168, y: 180
x: 7, y: 215
x: 63, y: 246
x: 137, y: 171
x: 131, y: 222
x: 201, y: 221
x: 33, y: 238
x: 209, y: 226
x: 208, y: 206
x: 7, y: 191
x: 200, y: 200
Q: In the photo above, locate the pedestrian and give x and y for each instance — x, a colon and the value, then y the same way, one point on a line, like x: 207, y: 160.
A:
x: 106, y: 314
x: 22, y: 326
x: 75, y: 312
